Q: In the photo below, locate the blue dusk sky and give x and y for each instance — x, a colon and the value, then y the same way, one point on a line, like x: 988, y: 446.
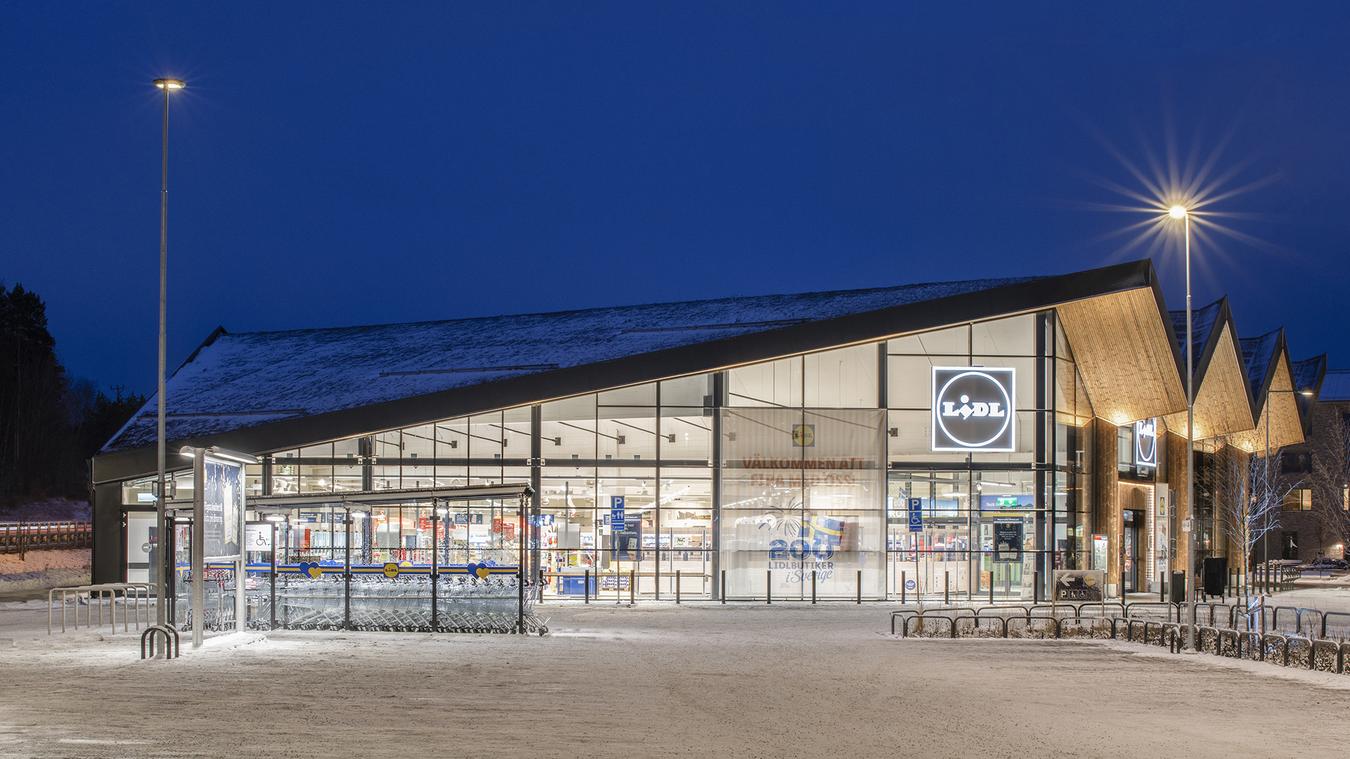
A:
x: 340, y: 163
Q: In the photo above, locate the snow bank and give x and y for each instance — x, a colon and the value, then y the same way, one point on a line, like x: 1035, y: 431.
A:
x: 40, y: 570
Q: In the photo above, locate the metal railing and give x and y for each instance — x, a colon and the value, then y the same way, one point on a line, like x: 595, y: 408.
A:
x: 134, y: 598
x: 22, y: 537
x: 1248, y: 638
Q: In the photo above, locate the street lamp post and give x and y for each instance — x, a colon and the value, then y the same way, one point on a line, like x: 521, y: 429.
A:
x: 161, y: 516
x: 1181, y: 213
x: 1265, y: 468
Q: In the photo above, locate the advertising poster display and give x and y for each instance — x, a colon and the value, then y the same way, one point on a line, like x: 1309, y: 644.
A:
x: 1099, y: 552
x: 1008, y: 539
x: 222, y: 507
x: 803, y: 501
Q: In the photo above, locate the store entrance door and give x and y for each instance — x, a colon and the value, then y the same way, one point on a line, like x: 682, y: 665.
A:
x: 1131, y: 563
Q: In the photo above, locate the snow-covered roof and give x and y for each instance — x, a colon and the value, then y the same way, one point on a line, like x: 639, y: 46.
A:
x: 1257, y: 355
x: 246, y: 379
x: 1335, y: 386
x: 1308, y: 372
x: 1205, y: 321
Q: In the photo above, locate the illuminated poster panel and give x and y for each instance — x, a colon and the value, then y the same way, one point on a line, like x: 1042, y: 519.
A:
x: 222, y: 507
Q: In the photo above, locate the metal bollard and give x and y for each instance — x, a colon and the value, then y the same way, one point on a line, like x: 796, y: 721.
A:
x: 813, y: 586
x: 586, y: 587
x: 946, y: 588
x: 768, y: 586
x: 991, y: 588
x: 859, y: 586
x: 1036, y: 586
x: 632, y: 587
x: 903, y: 587
x: 1162, y: 587
x: 677, y: 586
x: 724, y: 586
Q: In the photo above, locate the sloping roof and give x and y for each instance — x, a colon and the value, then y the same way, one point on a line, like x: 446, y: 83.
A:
x: 1335, y: 386
x: 245, y: 379
x: 268, y: 391
x: 1223, y: 403
x: 1259, y: 354
x: 1308, y: 372
x: 1205, y: 323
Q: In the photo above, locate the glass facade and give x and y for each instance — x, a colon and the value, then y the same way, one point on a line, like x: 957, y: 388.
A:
x: 813, y: 475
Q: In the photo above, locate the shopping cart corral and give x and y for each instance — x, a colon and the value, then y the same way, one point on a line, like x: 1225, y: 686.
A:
x: 457, y: 600
x: 346, y: 580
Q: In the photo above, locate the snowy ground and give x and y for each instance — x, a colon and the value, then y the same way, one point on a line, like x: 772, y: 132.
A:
x: 657, y: 680
x: 31, y: 576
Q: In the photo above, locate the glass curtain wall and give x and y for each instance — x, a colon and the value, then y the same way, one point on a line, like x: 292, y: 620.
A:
x: 988, y: 523
x: 802, y: 502
x: 823, y: 458
x: 625, y: 491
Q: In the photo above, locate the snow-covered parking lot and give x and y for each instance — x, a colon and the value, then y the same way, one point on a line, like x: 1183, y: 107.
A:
x: 657, y: 680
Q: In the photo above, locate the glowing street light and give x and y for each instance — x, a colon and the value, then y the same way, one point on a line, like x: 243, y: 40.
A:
x: 1181, y: 213
x: 161, y: 520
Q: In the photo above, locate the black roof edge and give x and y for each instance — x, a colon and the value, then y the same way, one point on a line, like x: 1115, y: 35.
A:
x: 690, y: 359
x: 211, y: 338
x: 1305, y: 403
x: 1281, y: 354
x: 1178, y: 357
x: 1226, y: 317
x: 1211, y: 345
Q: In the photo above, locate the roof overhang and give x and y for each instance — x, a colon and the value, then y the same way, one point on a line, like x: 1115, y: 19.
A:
x: 1125, y: 350
x: 1222, y: 401
x: 1279, y: 410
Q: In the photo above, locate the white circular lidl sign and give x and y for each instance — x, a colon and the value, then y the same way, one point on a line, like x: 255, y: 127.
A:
x: 973, y: 409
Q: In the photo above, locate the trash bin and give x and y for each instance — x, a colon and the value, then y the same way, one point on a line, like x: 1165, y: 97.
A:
x: 1177, y: 588
x: 1215, y: 575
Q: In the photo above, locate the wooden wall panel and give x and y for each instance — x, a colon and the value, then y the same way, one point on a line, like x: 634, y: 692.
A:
x: 1221, y: 403
x: 1286, y: 427
x: 1123, y: 349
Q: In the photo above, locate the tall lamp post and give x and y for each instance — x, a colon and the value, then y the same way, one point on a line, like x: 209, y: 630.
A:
x: 167, y: 86
x: 1181, y: 213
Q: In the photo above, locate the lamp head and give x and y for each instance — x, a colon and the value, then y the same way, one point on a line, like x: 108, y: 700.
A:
x: 170, y: 84
x: 1177, y: 212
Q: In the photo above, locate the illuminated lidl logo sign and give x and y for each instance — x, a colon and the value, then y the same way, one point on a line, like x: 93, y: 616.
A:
x: 973, y: 409
x: 1146, y: 443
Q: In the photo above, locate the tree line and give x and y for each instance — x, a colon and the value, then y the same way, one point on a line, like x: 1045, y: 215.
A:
x: 50, y: 422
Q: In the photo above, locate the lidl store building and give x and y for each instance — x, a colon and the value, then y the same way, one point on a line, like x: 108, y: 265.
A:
x: 961, y: 437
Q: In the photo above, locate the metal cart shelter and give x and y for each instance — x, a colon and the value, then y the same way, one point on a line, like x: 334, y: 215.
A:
x: 324, y: 562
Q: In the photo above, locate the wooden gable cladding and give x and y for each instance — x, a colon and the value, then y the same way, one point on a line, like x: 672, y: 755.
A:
x: 1124, y: 351
x: 1222, y: 406
x: 1281, y: 403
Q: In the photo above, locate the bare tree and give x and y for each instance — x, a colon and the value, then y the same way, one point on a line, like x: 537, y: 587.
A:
x: 1329, y: 444
x: 1248, y: 493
